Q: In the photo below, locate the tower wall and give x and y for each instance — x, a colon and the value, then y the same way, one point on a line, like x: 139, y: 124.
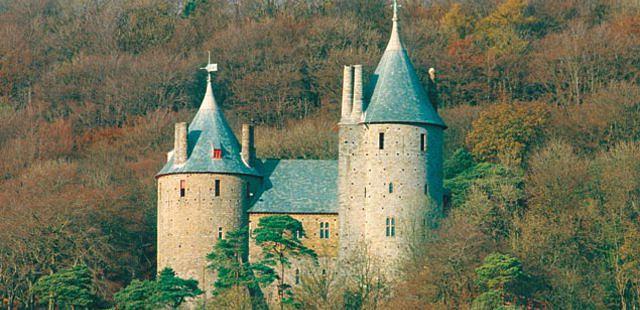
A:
x: 188, y: 226
x: 414, y: 196
x: 351, y: 179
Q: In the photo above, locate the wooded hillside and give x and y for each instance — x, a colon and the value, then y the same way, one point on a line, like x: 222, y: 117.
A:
x: 542, y: 149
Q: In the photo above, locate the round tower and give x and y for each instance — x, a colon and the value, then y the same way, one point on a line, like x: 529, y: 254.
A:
x: 204, y: 190
x: 390, y: 161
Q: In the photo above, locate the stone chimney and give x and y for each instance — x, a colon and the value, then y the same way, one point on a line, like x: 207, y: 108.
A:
x: 347, y: 93
x: 432, y: 89
x: 357, y: 93
x: 248, y: 147
x: 180, y: 144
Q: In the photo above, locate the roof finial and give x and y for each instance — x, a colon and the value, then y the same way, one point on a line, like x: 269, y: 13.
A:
x: 394, y: 41
x: 209, y: 102
x: 210, y: 67
x: 395, y: 10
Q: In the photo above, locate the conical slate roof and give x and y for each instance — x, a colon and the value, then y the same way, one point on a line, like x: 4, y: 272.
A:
x: 208, y: 131
x: 397, y: 94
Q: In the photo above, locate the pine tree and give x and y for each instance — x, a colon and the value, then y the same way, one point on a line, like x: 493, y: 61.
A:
x: 136, y: 295
x: 172, y: 290
x: 67, y: 288
x: 229, y: 260
x: 276, y: 235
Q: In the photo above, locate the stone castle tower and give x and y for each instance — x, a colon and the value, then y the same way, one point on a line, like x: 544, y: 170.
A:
x: 204, y: 190
x: 384, y: 188
x: 390, y: 157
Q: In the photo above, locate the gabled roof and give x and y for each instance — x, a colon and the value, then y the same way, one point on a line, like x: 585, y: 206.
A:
x: 298, y: 186
x: 208, y: 131
x: 397, y: 94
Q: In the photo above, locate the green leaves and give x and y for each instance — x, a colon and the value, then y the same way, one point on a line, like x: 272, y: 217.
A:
x: 487, y: 176
x: 173, y: 290
x: 460, y: 161
x: 228, y: 259
x: 503, y: 279
x: 167, y: 290
x: 276, y: 235
x: 136, y: 295
x: 67, y: 288
x: 500, y: 271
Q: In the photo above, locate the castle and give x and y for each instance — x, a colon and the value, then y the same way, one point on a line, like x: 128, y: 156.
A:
x: 385, y: 185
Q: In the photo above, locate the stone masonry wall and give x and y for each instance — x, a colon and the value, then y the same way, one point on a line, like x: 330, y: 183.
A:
x: 188, y: 226
x: 400, y: 180
x: 351, y: 180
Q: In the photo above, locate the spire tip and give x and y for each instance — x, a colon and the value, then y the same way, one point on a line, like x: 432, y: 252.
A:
x: 395, y: 10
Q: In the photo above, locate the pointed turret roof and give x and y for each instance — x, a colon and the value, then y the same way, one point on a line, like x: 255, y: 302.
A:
x: 397, y: 96
x: 207, y: 131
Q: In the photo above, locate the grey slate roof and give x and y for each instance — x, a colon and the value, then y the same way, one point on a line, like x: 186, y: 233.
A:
x: 396, y: 94
x: 298, y: 186
x: 209, y: 130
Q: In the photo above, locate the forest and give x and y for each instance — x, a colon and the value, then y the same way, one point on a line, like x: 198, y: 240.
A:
x: 542, y: 148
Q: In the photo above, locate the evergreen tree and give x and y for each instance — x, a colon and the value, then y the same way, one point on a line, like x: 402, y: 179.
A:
x: 166, y: 290
x: 229, y: 260
x: 172, y: 290
x: 276, y: 235
x: 504, y: 281
x: 67, y: 288
x: 136, y: 295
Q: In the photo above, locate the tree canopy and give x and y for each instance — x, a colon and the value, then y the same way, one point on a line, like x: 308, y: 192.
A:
x: 67, y: 288
x: 542, y: 94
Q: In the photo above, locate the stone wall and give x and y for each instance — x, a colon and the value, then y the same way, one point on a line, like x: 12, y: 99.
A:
x: 396, y: 183
x: 188, y: 226
x: 351, y: 178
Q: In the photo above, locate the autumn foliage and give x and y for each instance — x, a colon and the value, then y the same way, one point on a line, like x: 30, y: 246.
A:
x: 543, y: 95
x: 507, y: 131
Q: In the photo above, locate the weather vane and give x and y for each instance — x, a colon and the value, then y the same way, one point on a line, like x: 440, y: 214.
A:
x: 210, y: 67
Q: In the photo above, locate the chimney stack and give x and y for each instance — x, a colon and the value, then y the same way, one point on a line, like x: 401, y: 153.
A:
x: 347, y: 93
x: 432, y: 89
x: 180, y: 144
x: 248, y: 148
x: 357, y: 93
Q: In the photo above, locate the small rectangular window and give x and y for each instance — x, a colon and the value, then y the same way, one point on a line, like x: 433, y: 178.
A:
x: 217, y: 154
x: 423, y: 142
x: 390, y: 229
x: 248, y: 190
x: 390, y: 187
x: 219, y: 233
x: 324, y: 230
x: 183, y: 188
x: 297, y: 276
x: 381, y: 141
x: 393, y: 227
x: 217, y: 188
